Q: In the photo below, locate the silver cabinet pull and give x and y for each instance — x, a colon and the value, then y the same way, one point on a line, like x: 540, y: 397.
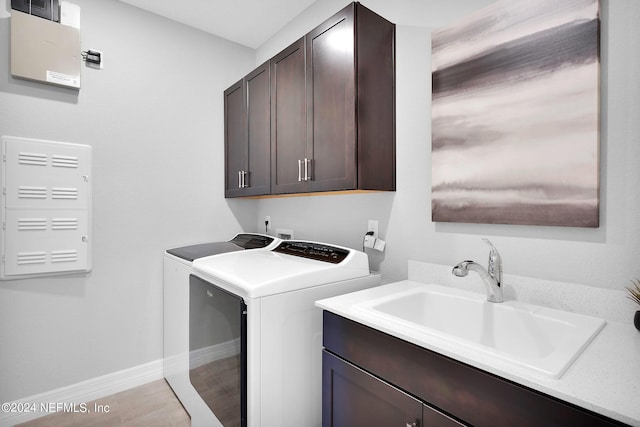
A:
x: 242, y: 179
x: 307, y: 175
x: 306, y: 169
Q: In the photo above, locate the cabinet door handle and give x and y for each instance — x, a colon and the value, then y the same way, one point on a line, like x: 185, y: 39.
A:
x: 242, y: 179
x: 307, y: 175
x: 307, y: 162
x: 412, y: 425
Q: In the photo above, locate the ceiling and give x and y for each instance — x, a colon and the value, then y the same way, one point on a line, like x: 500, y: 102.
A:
x: 247, y: 22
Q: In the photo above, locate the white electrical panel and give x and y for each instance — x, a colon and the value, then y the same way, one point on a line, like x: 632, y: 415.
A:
x: 46, y: 208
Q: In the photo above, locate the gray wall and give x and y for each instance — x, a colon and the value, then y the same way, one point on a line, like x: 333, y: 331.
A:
x: 154, y: 117
x: 604, y: 257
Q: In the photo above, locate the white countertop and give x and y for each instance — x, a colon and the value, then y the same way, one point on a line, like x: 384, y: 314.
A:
x: 605, y: 378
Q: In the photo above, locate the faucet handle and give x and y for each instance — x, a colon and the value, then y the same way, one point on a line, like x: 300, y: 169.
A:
x: 492, y: 249
x: 495, y: 260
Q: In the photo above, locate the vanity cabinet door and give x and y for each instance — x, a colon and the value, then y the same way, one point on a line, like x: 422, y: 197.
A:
x: 433, y: 418
x: 352, y: 397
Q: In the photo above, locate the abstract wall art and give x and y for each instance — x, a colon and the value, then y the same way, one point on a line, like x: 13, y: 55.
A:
x: 515, y: 115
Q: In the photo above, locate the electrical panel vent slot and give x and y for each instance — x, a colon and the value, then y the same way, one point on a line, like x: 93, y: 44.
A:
x: 64, y: 161
x: 29, y: 192
x: 64, y: 256
x: 26, y: 258
x: 37, y: 159
x: 46, y: 208
x: 32, y: 224
x: 64, y: 224
x: 64, y: 193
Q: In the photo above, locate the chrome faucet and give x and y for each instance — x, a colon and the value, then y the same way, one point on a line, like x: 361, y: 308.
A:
x: 492, y: 277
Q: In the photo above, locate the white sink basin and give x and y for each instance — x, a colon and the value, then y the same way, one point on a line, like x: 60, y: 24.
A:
x: 542, y: 339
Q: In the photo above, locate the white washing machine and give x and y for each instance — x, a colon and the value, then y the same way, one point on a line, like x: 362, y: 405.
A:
x: 266, y: 369
x: 177, y: 266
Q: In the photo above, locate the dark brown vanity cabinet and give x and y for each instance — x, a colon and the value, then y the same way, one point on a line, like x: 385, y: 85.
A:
x: 366, y: 373
x: 247, y: 135
x: 353, y: 397
x: 333, y: 107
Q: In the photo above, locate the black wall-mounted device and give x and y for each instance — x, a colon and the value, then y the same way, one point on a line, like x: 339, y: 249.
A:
x: 47, y: 9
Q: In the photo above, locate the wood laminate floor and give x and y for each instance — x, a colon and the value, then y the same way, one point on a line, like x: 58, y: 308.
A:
x: 218, y: 383
x: 150, y: 405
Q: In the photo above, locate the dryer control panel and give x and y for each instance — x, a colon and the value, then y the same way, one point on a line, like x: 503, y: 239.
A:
x: 252, y: 241
x: 315, y: 251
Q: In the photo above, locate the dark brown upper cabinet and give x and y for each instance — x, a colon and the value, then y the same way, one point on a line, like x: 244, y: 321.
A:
x: 332, y: 110
x: 247, y: 135
x: 332, y: 104
x: 348, y: 116
x: 288, y: 120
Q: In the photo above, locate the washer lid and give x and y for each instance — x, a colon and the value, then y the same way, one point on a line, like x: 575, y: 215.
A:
x: 290, y: 266
x: 239, y: 242
x: 194, y: 252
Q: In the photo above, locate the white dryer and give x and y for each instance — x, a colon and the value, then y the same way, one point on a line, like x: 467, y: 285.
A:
x: 260, y: 304
x: 177, y: 266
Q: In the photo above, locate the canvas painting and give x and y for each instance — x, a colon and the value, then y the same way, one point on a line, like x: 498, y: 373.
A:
x: 515, y: 115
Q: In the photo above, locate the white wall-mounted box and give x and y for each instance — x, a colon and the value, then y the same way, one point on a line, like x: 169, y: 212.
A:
x: 46, y: 208
x: 45, y: 51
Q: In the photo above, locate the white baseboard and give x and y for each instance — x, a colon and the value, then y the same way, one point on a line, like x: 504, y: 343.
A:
x: 82, y: 392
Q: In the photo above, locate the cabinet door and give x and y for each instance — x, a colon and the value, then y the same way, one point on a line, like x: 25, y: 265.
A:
x: 235, y: 141
x: 247, y: 135
x: 352, y: 397
x: 331, y: 103
x: 288, y: 120
x: 433, y: 418
x: 375, y: 41
x: 257, y: 87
